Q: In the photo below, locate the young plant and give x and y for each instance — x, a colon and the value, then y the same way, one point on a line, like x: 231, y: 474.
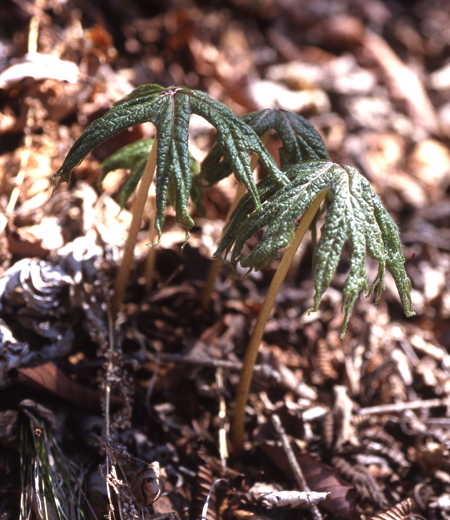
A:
x: 50, y: 485
x: 307, y: 177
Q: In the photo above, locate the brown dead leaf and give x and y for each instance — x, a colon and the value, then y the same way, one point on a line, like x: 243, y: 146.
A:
x: 403, y: 82
x: 320, y: 477
x: 430, y: 164
x: 23, y: 244
x: 384, y: 152
x: 400, y: 511
x: 50, y: 378
x: 204, y: 483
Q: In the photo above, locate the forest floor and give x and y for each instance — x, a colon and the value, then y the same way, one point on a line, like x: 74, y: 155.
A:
x: 149, y: 398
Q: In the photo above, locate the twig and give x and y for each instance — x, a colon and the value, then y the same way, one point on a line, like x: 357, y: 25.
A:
x: 437, y: 421
x: 223, y: 449
x: 107, y: 404
x: 138, y: 211
x: 401, y: 407
x: 188, y: 360
x: 265, y: 371
x: 151, y: 386
x: 293, y: 462
x: 191, y: 360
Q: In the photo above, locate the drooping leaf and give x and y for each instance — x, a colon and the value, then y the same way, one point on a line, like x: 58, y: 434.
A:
x: 169, y: 110
x: 280, y: 211
x: 134, y: 157
x: 355, y: 213
x: 301, y: 142
x: 196, y: 193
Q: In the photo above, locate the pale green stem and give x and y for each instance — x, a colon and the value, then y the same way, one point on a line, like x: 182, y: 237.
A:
x: 258, y: 332
x: 136, y: 220
x: 214, y: 270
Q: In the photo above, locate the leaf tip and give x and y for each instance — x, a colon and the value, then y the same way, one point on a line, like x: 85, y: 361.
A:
x: 156, y: 243
x: 186, y: 238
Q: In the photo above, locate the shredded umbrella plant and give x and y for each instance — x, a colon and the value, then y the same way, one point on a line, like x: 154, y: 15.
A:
x: 306, y: 185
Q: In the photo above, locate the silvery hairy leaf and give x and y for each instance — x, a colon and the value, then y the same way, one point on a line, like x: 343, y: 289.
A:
x: 301, y: 142
x: 134, y: 157
x: 355, y: 213
x: 169, y: 109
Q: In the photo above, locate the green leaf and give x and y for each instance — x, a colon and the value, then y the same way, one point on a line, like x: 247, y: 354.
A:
x: 169, y: 110
x: 301, y: 142
x: 355, y: 213
x: 134, y: 157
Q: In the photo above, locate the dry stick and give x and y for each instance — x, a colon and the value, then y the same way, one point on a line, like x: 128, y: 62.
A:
x: 401, y: 407
x: 136, y: 220
x: 216, y: 263
x: 255, y: 340
x: 211, y: 362
x: 223, y: 449
x: 109, y: 369
x: 293, y: 462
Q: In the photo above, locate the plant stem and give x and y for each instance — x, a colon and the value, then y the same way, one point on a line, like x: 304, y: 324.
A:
x: 214, y: 270
x: 136, y: 220
x: 216, y: 263
x: 255, y: 340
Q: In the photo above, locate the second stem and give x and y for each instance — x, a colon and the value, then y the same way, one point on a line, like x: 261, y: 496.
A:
x: 251, y: 354
x: 136, y: 221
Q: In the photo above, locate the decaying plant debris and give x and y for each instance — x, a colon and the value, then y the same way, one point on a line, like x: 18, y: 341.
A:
x: 98, y: 417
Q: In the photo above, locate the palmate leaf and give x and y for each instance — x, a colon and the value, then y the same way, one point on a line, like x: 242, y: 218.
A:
x: 134, y: 157
x: 301, y: 142
x: 355, y: 213
x: 169, y: 110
